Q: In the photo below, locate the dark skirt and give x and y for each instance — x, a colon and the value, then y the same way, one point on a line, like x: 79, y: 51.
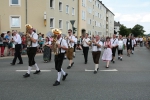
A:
x: 46, y: 53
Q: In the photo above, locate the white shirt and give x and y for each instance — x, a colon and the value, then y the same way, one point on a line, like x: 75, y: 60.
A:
x: 84, y: 42
x: 63, y: 43
x: 114, y: 42
x: 125, y: 41
x: 71, y: 44
x: 137, y: 39
x: 95, y: 48
x: 17, y: 39
x: 76, y: 40
x: 141, y: 39
x: 34, y: 36
x: 133, y: 42
x: 49, y: 43
x: 120, y: 44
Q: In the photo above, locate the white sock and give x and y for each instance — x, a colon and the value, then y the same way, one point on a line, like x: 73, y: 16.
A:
x: 70, y: 62
x: 64, y: 73
x: 65, y: 56
x: 96, y: 66
x: 59, y: 76
x: 29, y: 69
x: 121, y: 57
x: 132, y: 51
x: 37, y: 68
x: 74, y: 53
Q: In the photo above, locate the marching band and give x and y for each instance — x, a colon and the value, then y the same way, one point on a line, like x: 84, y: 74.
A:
x: 65, y: 46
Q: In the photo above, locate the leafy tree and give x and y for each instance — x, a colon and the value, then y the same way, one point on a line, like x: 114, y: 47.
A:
x: 124, y: 31
x: 138, y: 30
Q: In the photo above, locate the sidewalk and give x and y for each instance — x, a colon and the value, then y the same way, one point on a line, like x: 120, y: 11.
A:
x: 5, y: 53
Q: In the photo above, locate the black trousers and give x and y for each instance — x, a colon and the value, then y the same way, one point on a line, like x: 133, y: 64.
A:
x: 75, y: 47
x: 17, y: 54
x: 85, y: 52
x: 50, y: 56
x: 59, y: 61
x: 113, y: 51
x: 31, y: 52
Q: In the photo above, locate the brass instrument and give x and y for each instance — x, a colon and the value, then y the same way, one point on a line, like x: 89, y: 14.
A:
x: 55, y: 32
x: 28, y: 40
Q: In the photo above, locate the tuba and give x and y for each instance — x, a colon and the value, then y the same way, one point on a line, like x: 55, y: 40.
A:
x: 55, y: 32
x: 28, y: 40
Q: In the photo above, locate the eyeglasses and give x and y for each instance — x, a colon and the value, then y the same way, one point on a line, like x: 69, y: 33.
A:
x: 69, y: 32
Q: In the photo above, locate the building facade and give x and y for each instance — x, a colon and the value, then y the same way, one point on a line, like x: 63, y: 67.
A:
x: 95, y: 18
x: 117, y: 27
x: 44, y: 15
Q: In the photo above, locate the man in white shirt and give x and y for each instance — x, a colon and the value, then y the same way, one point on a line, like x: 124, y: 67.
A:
x: 86, y: 43
x: 70, y: 42
x: 114, y: 44
x: 62, y: 47
x: 75, y: 44
x: 96, y: 51
x: 121, y: 44
x: 141, y: 41
x: 133, y: 44
x: 17, y: 40
x: 31, y: 50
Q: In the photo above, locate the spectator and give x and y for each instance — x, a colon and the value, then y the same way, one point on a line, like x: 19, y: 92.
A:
x: 2, y: 44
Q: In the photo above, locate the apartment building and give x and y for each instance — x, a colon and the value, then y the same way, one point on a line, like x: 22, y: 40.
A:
x: 95, y: 18
x: 43, y: 15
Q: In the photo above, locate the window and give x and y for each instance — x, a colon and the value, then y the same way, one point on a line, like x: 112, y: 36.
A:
x: 51, y: 22
x: 15, y: 21
x: 52, y: 3
x: 73, y: 11
x: 60, y: 6
x: 83, y: 3
x: 60, y: 24
x: 83, y: 15
x: 67, y: 25
x: 67, y: 9
x: 14, y: 2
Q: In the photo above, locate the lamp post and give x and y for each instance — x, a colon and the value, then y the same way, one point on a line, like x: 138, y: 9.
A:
x: 45, y: 18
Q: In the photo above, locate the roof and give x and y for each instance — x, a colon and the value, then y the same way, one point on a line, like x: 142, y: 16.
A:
x: 117, y: 23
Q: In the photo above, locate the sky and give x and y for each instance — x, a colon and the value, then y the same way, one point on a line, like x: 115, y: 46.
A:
x: 131, y: 12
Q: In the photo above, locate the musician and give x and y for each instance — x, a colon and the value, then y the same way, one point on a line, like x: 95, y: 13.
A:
x: 96, y: 51
x: 129, y: 45
x: 86, y: 43
x: 70, y: 42
x: 120, y: 47
x: 133, y: 44
x: 75, y: 44
x: 59, y: 57
x: 114, y: 44
x: 17, y: 40
x: 31, y: 50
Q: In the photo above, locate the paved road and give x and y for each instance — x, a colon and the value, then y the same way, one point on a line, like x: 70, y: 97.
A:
x: 129, y: 80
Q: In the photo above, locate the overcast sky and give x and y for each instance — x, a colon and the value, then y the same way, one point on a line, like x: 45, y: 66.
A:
x: 131, y: 12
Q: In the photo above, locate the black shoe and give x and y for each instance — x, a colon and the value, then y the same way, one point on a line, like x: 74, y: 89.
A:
x: 95, y: 72
x: 113, y: 61
x: 107, y: 67
x: 85, y: 63
x: 68, y: 67
x: 73, y: 56
x: 19, y: 63
x: 97, y: 69
x: 56, y: 83
x: 64, y: 77
x: 26, y: 75
x: 65, y: 58
x: 12, y: 63
x: 36, y: 72
x: 72, y: 64
x: 121, y: 59
x: 118, y: 58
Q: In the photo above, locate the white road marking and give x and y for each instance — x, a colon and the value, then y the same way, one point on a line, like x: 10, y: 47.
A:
x: 32, y: 70
x: 101, y: 70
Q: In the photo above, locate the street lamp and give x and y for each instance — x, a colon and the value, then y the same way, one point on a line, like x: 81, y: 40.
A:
x: 45, y: 18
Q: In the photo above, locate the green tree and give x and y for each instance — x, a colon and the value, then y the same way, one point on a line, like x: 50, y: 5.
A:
x: 124, y: 31
x: 138, y: 30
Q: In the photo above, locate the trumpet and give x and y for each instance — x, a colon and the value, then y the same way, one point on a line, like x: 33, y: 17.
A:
x: 28, y: 40
x: 55, y: 32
